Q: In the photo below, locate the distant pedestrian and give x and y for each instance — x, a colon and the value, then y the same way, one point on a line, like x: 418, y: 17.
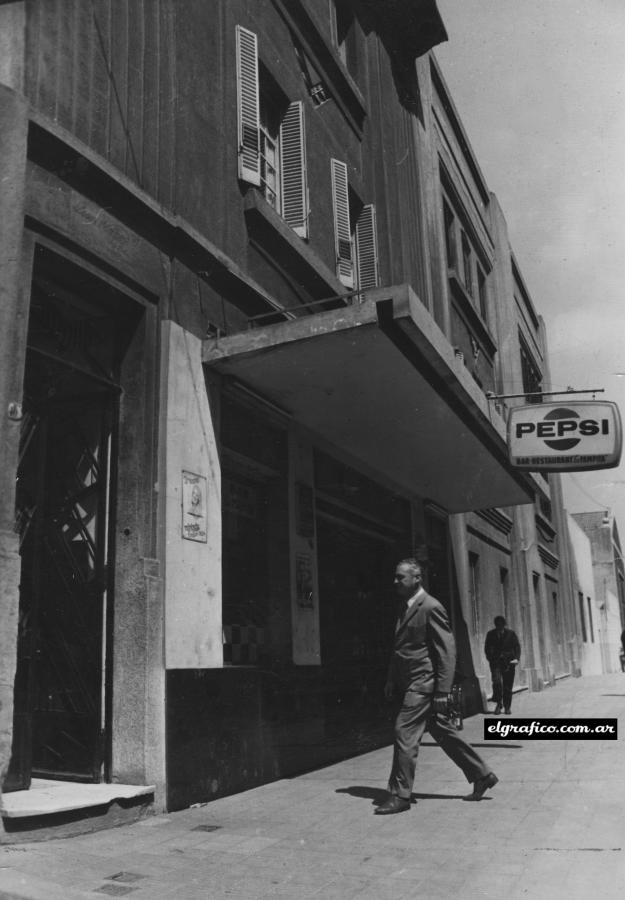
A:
x: 503, y: 651
x: 421, y: 670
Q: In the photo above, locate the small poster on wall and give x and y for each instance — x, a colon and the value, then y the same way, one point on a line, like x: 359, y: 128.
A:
x: 194, y: 519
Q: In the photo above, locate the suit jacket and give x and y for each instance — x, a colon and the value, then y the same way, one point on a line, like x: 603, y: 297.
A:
x: 424, y: 656
x: 500, y: 649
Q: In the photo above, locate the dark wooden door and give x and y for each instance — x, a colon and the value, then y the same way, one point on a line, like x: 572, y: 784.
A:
x: 63, y: 517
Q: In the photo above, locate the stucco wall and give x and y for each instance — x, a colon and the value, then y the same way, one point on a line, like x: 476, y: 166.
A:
x: 193, y: 634
x: 583, y: 581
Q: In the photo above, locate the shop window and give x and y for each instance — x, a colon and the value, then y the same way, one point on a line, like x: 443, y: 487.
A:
x: 272, y: 140
x: 355, y: 233
x: 474, y: 591
x: 255, y: 531
x: 246, y: 587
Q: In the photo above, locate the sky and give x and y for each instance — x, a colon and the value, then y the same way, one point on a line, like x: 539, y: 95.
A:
x: 540, y: 88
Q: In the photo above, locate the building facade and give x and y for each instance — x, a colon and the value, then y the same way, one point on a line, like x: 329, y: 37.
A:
x: 259, y: 308
x: 600, y: 590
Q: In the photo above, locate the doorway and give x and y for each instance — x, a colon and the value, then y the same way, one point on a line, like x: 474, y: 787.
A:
x: 65, y: 503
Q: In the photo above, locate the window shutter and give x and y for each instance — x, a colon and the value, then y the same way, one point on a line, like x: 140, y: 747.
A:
x: 342, y: 227
x: 367, y: 248
x: 293, y: 169
x: 248, y: 106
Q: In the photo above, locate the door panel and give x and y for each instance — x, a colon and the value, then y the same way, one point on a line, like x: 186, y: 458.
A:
x: 62, y: 514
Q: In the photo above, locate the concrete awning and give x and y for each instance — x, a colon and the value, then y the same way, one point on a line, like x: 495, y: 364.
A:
x: 380, y: 381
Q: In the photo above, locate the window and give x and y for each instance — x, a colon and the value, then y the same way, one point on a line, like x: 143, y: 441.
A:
x: 531, y: 374
x: 482, y: 292
x: 355, y: 233
x: 254, y: 523
x: 467, y: 268
x: 465, y: 258
x: 269, y: 133
x: 343, y: 29
x: 450, y: 236
x: 582, y: 617
x: 474, y: 591
x: 590, y: 624
x: 272, y: 140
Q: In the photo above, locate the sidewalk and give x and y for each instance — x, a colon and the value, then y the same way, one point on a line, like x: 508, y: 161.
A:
x: 554, y: 827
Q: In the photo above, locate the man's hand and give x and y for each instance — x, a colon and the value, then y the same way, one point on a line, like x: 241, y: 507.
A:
x: 440, y: 703
x: 388, y: 690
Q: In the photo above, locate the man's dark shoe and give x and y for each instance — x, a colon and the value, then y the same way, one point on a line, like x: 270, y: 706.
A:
x: 394, y: 804
x: 497, y: 709
x: 508, y: 711
x: 482, y: 785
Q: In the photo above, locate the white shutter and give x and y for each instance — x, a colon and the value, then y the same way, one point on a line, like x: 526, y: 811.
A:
x: 247, y: 100
x: 367, y: 248
x: 293, y: 169
x: 342, y: 227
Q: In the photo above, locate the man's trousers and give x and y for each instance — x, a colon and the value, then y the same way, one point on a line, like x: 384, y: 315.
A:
x: 502, y: 679
x: 412, y: 720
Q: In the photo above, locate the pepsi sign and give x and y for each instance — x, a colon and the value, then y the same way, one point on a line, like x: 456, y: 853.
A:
x: 565, y: 437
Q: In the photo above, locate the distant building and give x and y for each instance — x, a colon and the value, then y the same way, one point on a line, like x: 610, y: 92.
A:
x: 602, y: 605
x: 256, y: 299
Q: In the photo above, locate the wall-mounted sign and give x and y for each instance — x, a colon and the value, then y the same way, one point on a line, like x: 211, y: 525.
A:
x: 194, y: 527
x: 565, y: 437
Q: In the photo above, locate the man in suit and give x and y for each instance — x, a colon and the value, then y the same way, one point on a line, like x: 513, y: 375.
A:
x: 502, y: 650
x: 422, y: 669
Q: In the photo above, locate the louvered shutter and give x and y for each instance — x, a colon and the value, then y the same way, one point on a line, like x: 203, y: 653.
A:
x: 293, y: 169
x: 367, y: 248
x: 247, y: 98
x: 342, y: 227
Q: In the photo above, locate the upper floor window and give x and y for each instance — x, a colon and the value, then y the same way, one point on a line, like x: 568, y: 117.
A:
x: 270, y: 119
x: 343, y: 30
x: 531, y: 374
x: 482, y: 292
x: 465, y: 259
x: 450, y: 236
x: 272, y: 139
x: 467, y: 264
x: 355, y: 233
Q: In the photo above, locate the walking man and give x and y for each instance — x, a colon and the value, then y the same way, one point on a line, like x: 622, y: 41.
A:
x: 503, y: 650
x: 422, y: 670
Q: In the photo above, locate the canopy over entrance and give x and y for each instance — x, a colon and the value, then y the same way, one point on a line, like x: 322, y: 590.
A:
x: 380, y: 381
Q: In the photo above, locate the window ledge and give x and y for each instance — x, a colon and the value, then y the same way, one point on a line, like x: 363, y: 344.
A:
x: 497, y: 519
x: 545, y: 526
x: 468, y: 311
x: 549, y: 558
x: 289, y: 251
